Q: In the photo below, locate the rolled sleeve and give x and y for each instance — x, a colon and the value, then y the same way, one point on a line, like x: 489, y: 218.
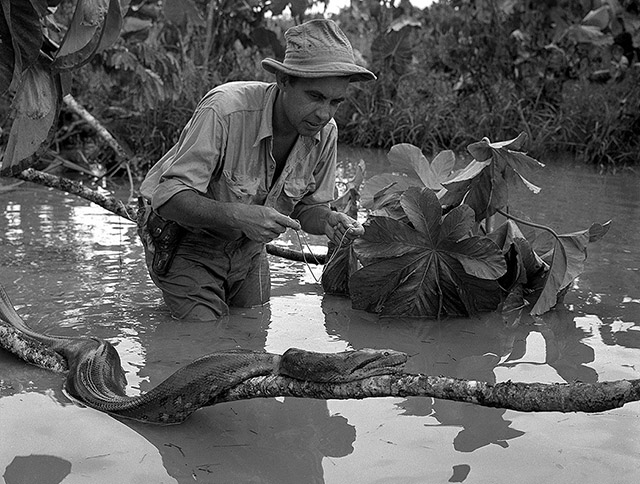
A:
x: 193, y: 161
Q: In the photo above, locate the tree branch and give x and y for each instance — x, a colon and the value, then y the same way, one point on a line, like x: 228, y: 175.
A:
x: 524, y: 397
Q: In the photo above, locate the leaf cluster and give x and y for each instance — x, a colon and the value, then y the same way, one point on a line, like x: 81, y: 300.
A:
x: 430, y: 249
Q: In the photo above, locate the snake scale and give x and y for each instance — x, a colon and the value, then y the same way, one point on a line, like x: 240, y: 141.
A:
x: 95, y: 376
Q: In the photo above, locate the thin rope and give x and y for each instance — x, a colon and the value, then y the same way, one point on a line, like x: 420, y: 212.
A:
x: 304, y: 258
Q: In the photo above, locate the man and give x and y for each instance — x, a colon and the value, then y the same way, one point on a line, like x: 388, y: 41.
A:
x: 254, y: 160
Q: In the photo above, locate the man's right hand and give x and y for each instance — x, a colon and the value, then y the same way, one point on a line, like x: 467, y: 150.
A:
x: 258, y: 223
x: 262, y: 224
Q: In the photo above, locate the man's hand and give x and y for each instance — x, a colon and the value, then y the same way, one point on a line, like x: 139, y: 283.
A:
x: 263, y: 224
x: 342, y: 229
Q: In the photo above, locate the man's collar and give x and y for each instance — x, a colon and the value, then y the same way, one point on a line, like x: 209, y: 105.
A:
x: 266, y: 122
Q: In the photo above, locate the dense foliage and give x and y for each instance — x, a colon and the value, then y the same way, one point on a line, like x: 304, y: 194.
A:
x: 432, y: 247
x: 566, y: 73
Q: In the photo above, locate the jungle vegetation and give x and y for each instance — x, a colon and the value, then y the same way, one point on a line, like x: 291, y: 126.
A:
x: 566, y: 73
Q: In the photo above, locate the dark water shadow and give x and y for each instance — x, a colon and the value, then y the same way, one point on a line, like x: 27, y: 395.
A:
x: 265, y: 440
x: 470, y: 349
x: 37, y: 469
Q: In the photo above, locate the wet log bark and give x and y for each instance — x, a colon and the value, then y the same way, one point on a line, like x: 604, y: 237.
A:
x: 107, y: 202
x: 524, y: 397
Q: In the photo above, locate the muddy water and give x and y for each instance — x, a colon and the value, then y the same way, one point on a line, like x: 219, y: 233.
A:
x: 73, y: 269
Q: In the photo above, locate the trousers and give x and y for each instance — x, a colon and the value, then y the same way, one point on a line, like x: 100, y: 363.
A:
x: 208, y: 275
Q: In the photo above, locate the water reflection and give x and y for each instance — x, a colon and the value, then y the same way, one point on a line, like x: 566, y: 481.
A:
x: 73, y: 269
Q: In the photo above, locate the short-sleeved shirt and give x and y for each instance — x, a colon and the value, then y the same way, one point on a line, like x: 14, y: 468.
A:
x: 225, y: 153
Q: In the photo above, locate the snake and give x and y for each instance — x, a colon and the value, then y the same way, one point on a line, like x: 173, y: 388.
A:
x: 95, y: 376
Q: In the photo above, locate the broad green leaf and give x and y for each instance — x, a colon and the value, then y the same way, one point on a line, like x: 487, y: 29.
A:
x: 433, y: 173
x: 458, y: 185
x: 7, y: 53
x: 36, y: 105
x: 182, y: 12
x: 112, y: 26
x: 383, y: 185
x: 387, y: 238
x: 553, y: 281
x: 488, y: 191
x: 424, y: 212
x: 402, y: 22
x: 20, y: 40
x: 430, y: 269
x: 483, y: 150
x: 575, y: 246
x: 588, y: 34
x: 337, y: 272
x: 94, y: 26
x: 85, y: 24
x: 598, y: 18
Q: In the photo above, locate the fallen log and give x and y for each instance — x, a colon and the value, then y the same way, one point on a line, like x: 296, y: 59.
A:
x: 520, y: 396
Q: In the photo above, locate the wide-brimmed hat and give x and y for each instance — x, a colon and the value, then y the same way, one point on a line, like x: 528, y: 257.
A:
x: 318, y: 48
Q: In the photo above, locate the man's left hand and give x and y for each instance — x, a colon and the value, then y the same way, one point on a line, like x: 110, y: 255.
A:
x: 342, y: 229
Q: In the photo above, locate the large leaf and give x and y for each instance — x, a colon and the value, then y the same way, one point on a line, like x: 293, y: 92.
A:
x: 542, y: 277
x: 488, y: 191
x: 433, y: 173
x: 342, y: 260
x: 36, y: 106
x: 431, y: 268
x: 95, y: 25
x: 20, y: 40
x: 381, y: 193
x: 183, y: 12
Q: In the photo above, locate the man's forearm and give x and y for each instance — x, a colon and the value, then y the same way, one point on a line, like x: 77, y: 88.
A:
x: 313, y: 218
x: 257, y: 222
x: 193, y: 210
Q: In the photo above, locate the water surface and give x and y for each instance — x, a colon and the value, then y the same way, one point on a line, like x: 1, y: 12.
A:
x: 71, y: 268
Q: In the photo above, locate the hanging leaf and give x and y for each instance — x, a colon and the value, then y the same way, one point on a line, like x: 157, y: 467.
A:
x: 598, y: 18
x: 20, y: 40
x: 431, y: 268
x: 36, y: 106
x: 488, y: 191
x: 95, y: 25
x: 553, y: 280
x: 575, y: 247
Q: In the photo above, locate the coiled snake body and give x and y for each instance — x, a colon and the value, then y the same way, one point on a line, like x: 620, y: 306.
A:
x: 96, y: 378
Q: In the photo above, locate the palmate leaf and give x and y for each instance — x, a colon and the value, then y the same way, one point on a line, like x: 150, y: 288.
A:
x: 381, y: 193
x: 431, y: 268
x: 487, y: 192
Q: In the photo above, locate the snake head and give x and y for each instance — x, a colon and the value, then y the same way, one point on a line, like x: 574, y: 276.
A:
x: 340, y: 367
x: 368, y: 362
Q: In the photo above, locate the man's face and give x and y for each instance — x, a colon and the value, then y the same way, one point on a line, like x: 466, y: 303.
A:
x: 309, y: 104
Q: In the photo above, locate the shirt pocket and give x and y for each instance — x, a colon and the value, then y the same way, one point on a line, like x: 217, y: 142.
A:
x: 296, y: 188
x: 239, y: 187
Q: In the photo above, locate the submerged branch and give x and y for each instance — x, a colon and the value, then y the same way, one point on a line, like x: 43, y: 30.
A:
x: 296, y: 255
x: 118, y: 207
x: 524, y: 397
x: 107, y: 202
